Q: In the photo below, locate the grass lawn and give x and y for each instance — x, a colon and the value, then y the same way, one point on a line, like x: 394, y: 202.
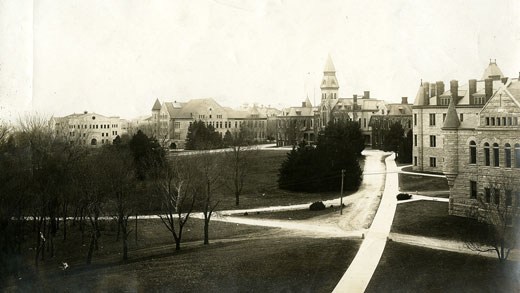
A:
x: 431, y: 219
x: 406, y: 268
x: 261, y: 185
x: 280, y: 264
x: 412, y: 183
x: 296, y: 215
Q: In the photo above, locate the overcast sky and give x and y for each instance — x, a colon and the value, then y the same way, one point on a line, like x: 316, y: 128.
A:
x: 117, y: 57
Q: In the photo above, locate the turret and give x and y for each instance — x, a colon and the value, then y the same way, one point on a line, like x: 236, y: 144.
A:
x: 329, y: 84
x: 156, y: 109
x: 450, y: 137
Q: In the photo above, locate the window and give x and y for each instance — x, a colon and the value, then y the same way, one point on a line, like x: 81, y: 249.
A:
x: 487, y: 121
x: 432, y: 119
x: 492, y: 121
x: 415, y: 140
x: 496, y: 156
x: 504, y: 121
x: 517, y: 198
x: 415, y: 161
x: 515, y: 121
x: 496, y: 196
x: 472, y: 152
x: 461, y: 117
x: 414, y: 119
x: 509, y: 121
x: 507, y: 152
x: 517, y: 155
x: 433, y: 141
x: 509, y: 198
x: 443, y: 117
x: 433, y: 162
x: 486, y: 154
x: 487, y: 192
x: 473, y: 189
x: 498, y: 121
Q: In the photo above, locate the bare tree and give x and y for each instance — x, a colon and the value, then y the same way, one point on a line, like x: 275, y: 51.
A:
x: 209, y: 173
x: 238, y: 165
x: 173, y: 186
x: 497, y: 216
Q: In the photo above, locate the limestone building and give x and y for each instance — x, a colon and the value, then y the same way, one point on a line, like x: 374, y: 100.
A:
x: 482, y: 158
x: 170, y: 120
x: 430, y: 109
x: 89, y: 128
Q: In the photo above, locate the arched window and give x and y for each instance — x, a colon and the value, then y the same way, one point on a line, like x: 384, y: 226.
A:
x: 472, y: 152
x: 93, y: 141
x: 507, y: 152
x: 517, y: 155
x: 496, y: 155
x: 486, y: 154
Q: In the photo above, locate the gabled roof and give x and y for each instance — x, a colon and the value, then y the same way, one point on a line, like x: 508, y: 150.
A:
x: 156, y: 105
x: 452, y: 119
x: 399, y: 109
x: 308, y: 102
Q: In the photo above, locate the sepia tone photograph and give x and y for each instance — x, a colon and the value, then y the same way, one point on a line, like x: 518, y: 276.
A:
x: 259, y: 146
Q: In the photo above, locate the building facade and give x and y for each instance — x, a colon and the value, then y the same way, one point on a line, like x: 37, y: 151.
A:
x: 295, y: 124
x: 397, y: 113
x: 430, y: 110
x: 482, y: 160
x: 89, y: 128
x: 171, y: 120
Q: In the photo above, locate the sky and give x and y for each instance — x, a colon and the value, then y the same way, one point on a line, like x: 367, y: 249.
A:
x: 115, y: 57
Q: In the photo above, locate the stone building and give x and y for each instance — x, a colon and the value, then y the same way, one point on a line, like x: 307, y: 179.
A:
x: 295, y: 124
x: 397, y: 113
x: 89, y: 128
x: 430, y: 109
x: 482, y: 159
x: 171, y: 120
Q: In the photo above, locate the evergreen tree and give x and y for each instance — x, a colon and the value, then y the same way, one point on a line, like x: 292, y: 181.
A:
x: 202, y: 137
x: 146, y: 152
x: 393, y: 138
x: 228, y: 139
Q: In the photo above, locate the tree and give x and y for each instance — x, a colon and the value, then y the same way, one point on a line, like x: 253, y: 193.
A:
x: 145, y: 150
x: 309, y: 168
x: 209, y: 173
x: 393, y: 137
x: 173, y: 187
x: 406, y: 148
x: 498, y: 225
x: 202, y: 137
x: 228, y: 139
x: 237, y: 163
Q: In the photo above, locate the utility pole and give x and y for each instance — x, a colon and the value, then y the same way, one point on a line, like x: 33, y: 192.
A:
x: 341, y: 198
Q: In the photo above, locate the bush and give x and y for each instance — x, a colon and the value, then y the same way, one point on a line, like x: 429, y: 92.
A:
x: 317, y: 206
x: 403, y: 196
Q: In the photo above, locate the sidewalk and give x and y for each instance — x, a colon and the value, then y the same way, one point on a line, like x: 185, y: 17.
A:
x: 360, y: 271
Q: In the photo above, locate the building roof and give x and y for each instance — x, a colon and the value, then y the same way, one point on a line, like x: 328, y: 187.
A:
x: 399, y: 109
x: 492, y: 71
x: 329, y: 65
x: 156, y: 105
x: 452, y: 119
x: 420, y: 98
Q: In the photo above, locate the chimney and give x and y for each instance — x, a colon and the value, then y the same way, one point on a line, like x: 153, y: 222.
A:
x: 440, y: 88
x: 366, y: 95
x: 354, y: 99
x: 433, y: 90
x: 426, y: 86
x: 85, y: 112
x: 488, y: 88
x: 504, y: 80
x: 454, y: 88
x: 404, y: 100
x: 472, y: 89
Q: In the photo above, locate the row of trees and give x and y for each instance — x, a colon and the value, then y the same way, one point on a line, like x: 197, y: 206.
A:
x: 204, y: 137
x: 51, y: 184
x: 395, y: 140
x: 318, y: 168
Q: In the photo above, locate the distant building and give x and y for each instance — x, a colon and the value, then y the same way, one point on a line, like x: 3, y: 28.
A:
x: 331, y: 108
x: 89, y: 128
x: 295, y: 124
x: 170, y: 120
x: 396, y: 113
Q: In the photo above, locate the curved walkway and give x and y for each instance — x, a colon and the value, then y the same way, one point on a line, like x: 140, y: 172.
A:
x: 362, y: 268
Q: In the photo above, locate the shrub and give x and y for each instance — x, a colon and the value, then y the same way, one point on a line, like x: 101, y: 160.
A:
x: 403, y: 196
x: 317, y: 206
